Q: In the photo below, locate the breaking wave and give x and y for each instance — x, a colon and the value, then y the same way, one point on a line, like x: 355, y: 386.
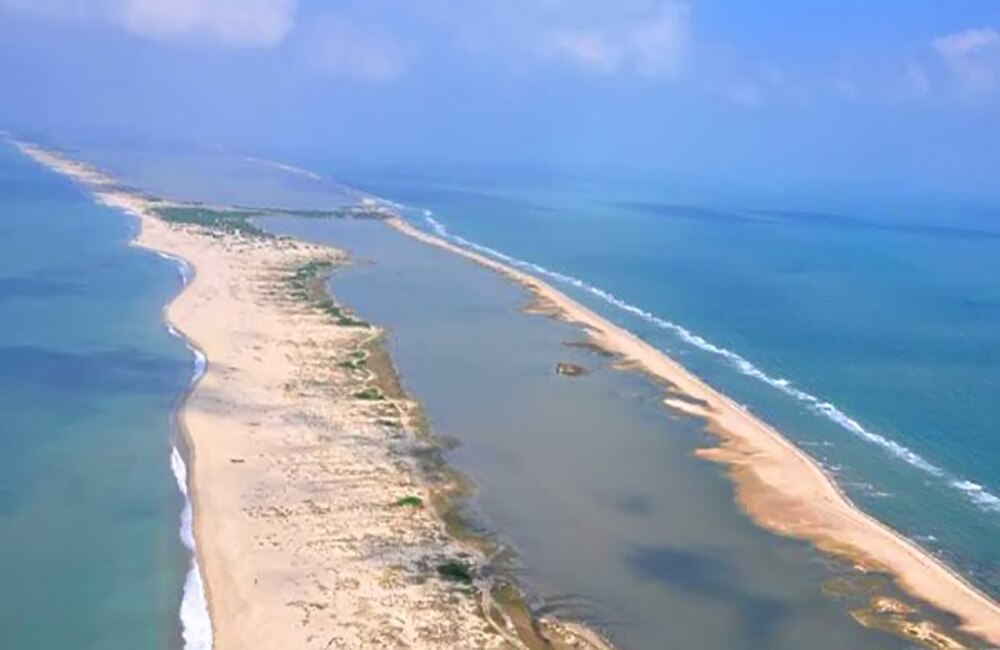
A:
x: 973, y: 492
x: 196, y: 624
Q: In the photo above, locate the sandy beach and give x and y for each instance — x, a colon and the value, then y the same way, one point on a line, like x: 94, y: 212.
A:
x: 779, y: 486
x: 309, y: 517
x: 295, y: 474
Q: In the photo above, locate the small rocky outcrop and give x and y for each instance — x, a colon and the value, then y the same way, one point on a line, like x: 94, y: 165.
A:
x: 570, y: 369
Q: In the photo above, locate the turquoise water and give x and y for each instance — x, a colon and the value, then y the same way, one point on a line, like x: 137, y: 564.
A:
x: 867, y: 332
x: 871, y: 341
x: 89, y: 510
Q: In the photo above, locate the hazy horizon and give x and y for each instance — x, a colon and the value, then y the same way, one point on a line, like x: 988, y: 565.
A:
x: 902, y: 98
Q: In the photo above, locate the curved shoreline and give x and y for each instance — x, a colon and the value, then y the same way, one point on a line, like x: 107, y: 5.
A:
x: 194, y: 612
x: 232, y: 517
x: 778, y: 484
x: 195, y: 609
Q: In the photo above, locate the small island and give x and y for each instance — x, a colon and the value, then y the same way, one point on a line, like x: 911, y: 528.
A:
x: 570, y: 369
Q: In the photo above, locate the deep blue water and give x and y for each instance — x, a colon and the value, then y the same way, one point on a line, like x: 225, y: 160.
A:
x: 89, y: 510
x: 868, y: 332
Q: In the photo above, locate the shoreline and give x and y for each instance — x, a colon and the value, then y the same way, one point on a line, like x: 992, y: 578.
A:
x: 272, y: 419
x: 779, y: 486
x: 195, y: 607
x: 194, y: 611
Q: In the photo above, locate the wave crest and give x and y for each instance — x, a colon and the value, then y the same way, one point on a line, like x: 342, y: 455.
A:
x: 975, y: 493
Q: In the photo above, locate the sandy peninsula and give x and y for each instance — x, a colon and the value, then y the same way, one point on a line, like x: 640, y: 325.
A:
x: 310, y: 521
x: 780, y: 486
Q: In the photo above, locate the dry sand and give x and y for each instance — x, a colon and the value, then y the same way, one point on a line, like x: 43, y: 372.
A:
x: 294, y: 477
x: 781, y: 487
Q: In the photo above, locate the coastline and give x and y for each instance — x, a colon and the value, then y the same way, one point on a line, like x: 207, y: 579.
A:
x: 195, y: 613
x: 777, y: 484
x: 297, y: 471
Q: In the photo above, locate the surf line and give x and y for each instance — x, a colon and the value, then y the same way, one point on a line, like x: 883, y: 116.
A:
x: 974, y: 492
x: 196, y: 622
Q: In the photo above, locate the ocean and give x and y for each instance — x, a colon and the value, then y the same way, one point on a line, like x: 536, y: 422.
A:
x: 90, y: 510
x: 866, y: 331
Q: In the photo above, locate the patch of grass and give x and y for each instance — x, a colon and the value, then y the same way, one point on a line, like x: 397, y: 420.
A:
x: 351, y: 364
x: 307, y: 284
x: 371, y: 393
x: 354, y: 360
x: 456, y: 571
x: 412, y: 501
x: 237, y: 221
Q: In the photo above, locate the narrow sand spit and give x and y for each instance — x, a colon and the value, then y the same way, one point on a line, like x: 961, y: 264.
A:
x: 296, y: 469
x: 781, y: 487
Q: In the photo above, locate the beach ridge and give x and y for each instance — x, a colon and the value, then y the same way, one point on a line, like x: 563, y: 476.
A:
x: 309, y: 509
x: 778, y: 484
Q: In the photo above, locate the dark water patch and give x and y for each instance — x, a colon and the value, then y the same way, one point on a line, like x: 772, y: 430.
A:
x: 38, y: 286
x: 890, y: 225
x: 31, y: 189
x: 692, y: 212
x: 806, y: 218
x: 636, y: 504
x: 90, y: 371
x: 712, y: 576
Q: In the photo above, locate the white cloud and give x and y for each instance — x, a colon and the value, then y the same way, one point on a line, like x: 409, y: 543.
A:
x: 343, y: 48
x: 235, y: 23
x: 650, y: 40
x: 239, y: 23
x: 588, y: 49
x: 973, y: 57
x: 916, y: 78
x: 659, y: 45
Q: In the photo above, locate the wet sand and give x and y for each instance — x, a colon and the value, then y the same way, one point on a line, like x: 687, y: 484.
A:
x: 777, y: 484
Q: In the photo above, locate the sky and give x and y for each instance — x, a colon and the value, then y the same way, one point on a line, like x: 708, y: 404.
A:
x: 900, y: 94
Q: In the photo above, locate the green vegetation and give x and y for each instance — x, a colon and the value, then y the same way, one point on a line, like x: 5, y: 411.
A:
x: 371, y: 393
x: 411, y: 500
x: 236, y: 221
x: 354, y: 361
x: 351, y: 364
x: 340, y: 315
x: 307, y: 284
x: 456, y: 571
x: 239, y: 220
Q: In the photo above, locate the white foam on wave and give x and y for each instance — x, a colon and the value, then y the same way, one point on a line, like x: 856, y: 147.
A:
x: 973, y: 492
x: 200, y: 364
x: 196, y: 623
x: 285, y: 167
x: 978, y: 495
x: 183, y: 267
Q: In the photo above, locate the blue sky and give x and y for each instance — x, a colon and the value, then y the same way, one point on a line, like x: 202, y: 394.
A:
x: 900, y: 94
